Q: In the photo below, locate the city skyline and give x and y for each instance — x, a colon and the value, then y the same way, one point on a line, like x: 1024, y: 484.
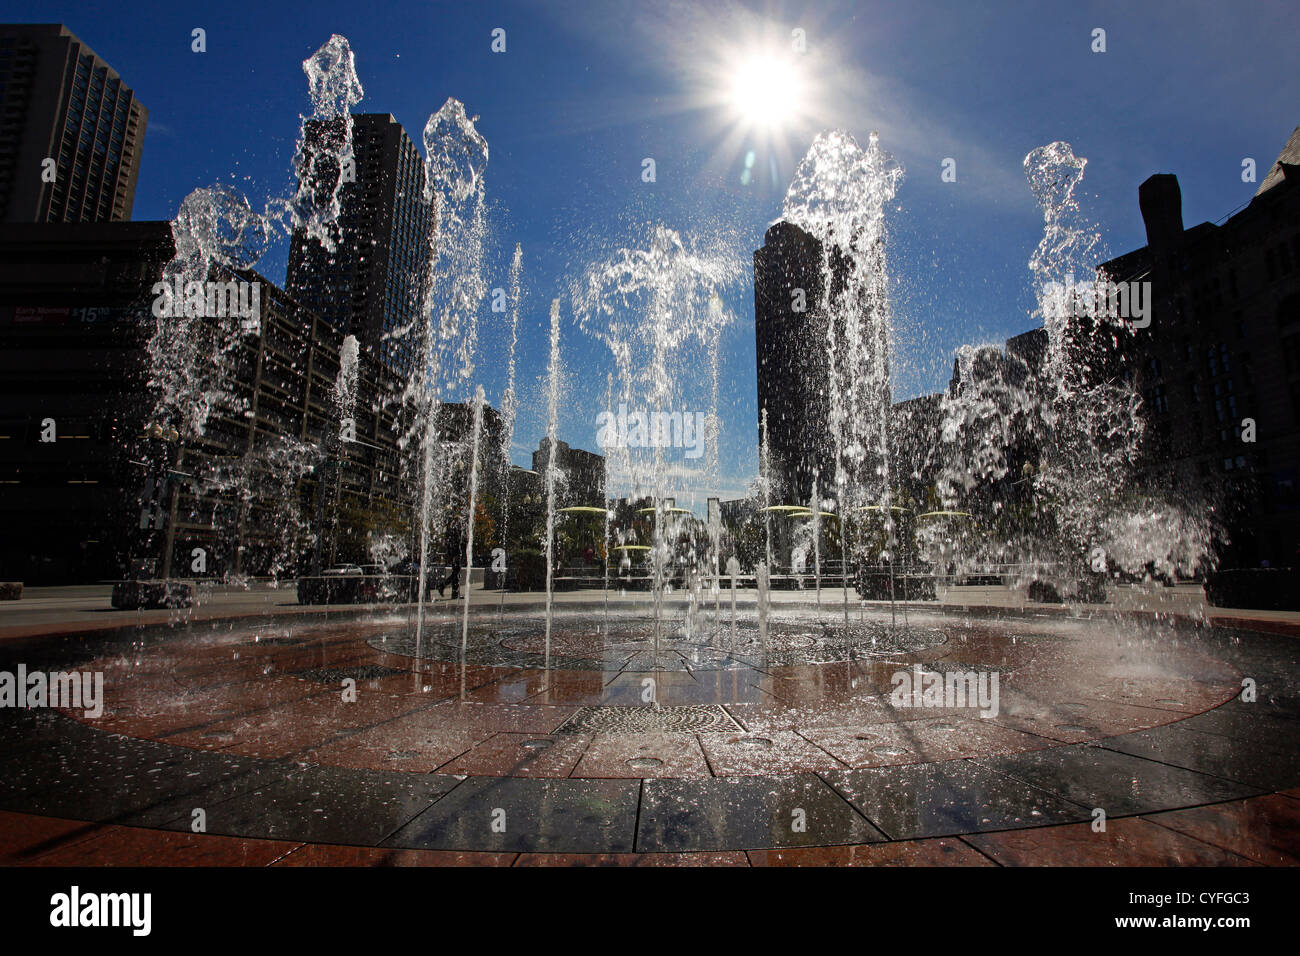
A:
x: 649, y: 432
x: 956, y: 257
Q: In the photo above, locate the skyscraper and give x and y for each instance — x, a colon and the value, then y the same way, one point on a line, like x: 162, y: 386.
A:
x: 373, y: 282
x: 70, y: 130
x: 793, y: 365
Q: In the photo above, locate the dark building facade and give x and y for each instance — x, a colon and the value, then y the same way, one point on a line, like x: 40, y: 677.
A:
x: 72, y: 348
x: 375, y: 280
x: 817, y: 352
x: 61, y: 102
x: 1223, y: 347
x: 456, y: 433
x: 583, y: 474
x: 790, y: 330
x: 87, y: 488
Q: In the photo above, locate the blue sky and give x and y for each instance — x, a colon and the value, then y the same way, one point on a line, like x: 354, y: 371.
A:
x: 585, y: 91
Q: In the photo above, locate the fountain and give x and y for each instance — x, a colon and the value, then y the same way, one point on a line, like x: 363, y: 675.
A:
x: 646, y: 305
x: 554, y: 372
x: 656, y: 302
x: 456, y: 156
x: 623, y: 723
x: 510, y: 403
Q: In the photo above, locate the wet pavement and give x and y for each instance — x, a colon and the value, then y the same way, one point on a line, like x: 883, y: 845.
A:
x: 317, y: 741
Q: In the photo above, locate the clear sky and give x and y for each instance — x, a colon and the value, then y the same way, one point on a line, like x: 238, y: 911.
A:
x: 586, y: 91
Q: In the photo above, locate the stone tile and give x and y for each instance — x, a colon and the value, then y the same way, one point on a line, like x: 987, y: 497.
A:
x: 643, y: 756
x: 632, y: 859
x: 916, y: 741
x: 521, y: 755
x: 1126, y: 842
x: 940, y: 851
x: 24, y: 835
x: 1248, y: 722
x: 328, y: 805
x: 532, y: 718
x: 540, y: 816
x: 1249, y: 761
x: 305, y: 724
x: 413, y: 744
x: 128, y: 846
x: 1118, y: 783
x: 771, y: 752
x: 733, y: 813
x: 69, y: 778
x: 941, y: 799
x: 324, y: 854
x: 1264, y: 829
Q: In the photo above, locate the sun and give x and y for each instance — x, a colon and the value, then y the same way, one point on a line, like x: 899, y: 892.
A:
x: 766, y: 90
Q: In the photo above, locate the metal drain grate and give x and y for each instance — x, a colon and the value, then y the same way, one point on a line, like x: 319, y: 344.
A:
x: 648, y: 720
x: 336, y: 675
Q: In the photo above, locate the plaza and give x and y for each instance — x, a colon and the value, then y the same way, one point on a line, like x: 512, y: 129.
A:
x: 240, y: 717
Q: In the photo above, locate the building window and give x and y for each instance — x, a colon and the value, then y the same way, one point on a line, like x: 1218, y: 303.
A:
x: 1288, y: 311
x: 1159, y: 399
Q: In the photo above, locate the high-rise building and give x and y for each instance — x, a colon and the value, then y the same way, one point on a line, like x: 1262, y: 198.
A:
x: 793, y: 365
x: 819, y: 350
x: 71, y: 131
x: 373, y: 283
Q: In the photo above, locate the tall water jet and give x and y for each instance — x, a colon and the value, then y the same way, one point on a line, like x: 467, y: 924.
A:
x: 609, y: 513
x: 765, y: 485
x: 1106, y: 508
x: 1044, y: 451
x: 510, y: 405
x: 324, y: 160
x: 838, y: 194
x: 470, y: 514
x: 344, y: 402
x: 712, y: 436
x: 456, y: 157
x: 216, y: 227
x: 647, y: 305
x: 554, y: 372
x: 816, y: 506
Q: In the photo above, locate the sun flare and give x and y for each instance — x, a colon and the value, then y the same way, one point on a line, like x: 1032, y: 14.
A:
x: 766, y: 91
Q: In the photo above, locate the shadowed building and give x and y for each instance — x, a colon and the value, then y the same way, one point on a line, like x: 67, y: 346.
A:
x: 374, y: 282
x: 60, y: 102
x: 1223, y: 346
x: 583, y: 474
x: 812, y: 364
x: 793, y: 366
x: 85, y: 487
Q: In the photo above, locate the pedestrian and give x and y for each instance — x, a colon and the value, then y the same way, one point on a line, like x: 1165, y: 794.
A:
x: 455, y: 548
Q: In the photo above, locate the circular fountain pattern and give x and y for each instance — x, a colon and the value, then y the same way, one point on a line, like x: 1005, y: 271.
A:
x: 329, y: 732
x: 593, y: 642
